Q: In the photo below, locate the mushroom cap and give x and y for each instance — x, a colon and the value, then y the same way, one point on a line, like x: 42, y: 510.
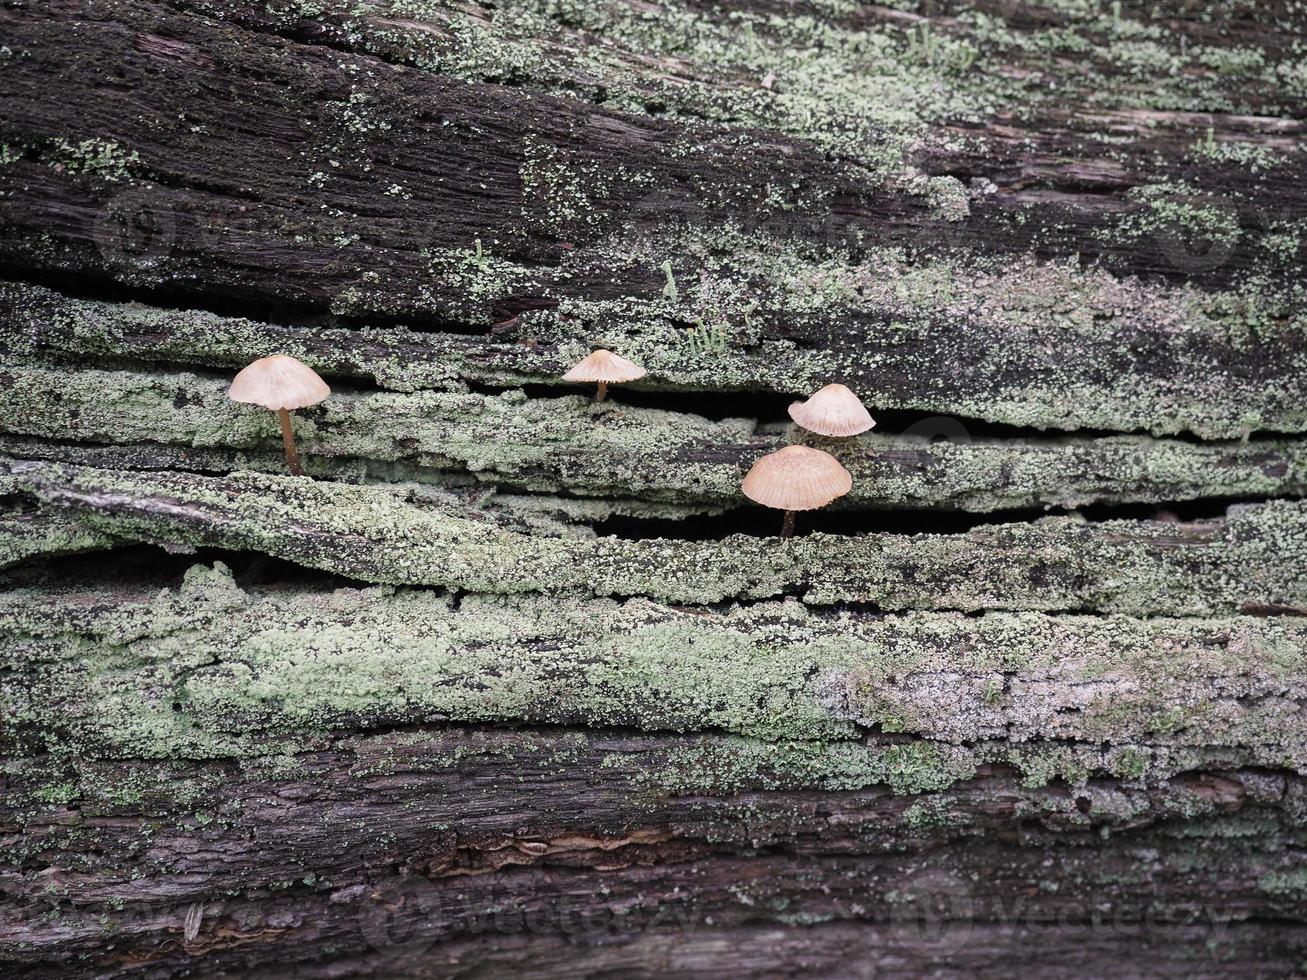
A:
x: 796, y: 478
x: 278, y: 382
x: 604, y: 365
x: 833, y: 411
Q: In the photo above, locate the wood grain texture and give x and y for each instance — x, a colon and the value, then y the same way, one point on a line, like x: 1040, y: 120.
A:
x: 373, y: 847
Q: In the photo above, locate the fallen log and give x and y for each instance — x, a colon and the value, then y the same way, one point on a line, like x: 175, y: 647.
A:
x: 518, y: 684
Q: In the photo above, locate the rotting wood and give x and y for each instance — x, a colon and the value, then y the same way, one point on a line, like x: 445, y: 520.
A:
x: 1247, y: 562
x: 1026, y: 217
x: 935, y: 310
x: 601, y: 817
x: 574, y: 445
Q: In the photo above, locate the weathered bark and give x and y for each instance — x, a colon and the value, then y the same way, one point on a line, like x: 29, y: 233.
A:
x: 384, y: 197
x: 553, y: 822
x: 839, y: 826
x: 577, y: 446
x: 1249, y: 562
x: 418, y: 714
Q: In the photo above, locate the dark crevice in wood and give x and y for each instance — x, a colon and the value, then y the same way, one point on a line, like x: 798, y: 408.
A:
x: 763, y: 522
x: 846, y: 519
x: 770, y: 408
x: 96, y: 286
x: 155, y: 566
x: 758, y: 404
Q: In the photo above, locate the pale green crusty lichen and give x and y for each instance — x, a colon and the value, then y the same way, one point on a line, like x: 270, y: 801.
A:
x: 385, y: 535
x: 217, y: 670
x: 574, y: 445
x: 866, y: 93
x: 48, y: 533
x: 1196, y: 230
x: 96, y: 157
x: 723, y: 765
x: 1251, y: 155
x: 1291, y: 884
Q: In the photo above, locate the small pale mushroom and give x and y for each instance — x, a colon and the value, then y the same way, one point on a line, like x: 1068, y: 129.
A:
x: 833, y: 411
x: 796, y: 478
x: 280, y: 384
x: 605, y: 367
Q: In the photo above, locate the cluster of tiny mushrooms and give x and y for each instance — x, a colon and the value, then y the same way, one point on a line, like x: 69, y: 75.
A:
x: 791, y: 479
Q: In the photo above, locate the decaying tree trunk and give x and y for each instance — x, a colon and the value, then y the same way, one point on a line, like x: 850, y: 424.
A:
x: 518, y: 684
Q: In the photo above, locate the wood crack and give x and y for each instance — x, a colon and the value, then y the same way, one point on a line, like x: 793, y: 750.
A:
x: 373, y: 534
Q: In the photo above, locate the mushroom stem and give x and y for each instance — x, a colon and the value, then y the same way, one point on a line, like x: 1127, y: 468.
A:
x: 288, y: 438
x: 787, y: 525
x: 602, y: 393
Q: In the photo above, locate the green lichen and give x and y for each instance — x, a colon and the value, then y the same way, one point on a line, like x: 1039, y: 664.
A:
x: 1194, y: 228
x: 929, y: 814
x: 215, y: 670
x: 1291, y: 884
x: 948, y: 198
x: 1035, y: 333
x: 97, y: 157
x: 607, y: 449
x: 731, y: 765
x: 1253, y: 156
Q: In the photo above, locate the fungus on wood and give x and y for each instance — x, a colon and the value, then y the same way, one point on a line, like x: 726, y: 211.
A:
x: 605, y: 368
x: 796, y: 478
x: 281, y: 384
x: 833, y: 411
